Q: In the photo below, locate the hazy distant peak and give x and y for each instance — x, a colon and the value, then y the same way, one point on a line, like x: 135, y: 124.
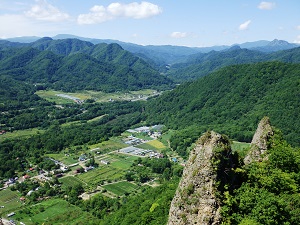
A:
x: 277, y: 42
x: 233, y: 48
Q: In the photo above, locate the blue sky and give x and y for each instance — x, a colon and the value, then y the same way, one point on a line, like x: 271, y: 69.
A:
x: 196, y: 23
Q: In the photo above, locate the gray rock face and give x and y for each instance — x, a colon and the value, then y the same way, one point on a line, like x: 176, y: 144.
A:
x: 195, y: 201
x: 259, y: 143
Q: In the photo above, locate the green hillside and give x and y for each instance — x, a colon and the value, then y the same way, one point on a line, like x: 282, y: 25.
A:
x: 231, y: 101
x: 119, y: 71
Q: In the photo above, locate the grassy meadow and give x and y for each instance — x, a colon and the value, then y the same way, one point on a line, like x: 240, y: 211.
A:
x: 20, y: 134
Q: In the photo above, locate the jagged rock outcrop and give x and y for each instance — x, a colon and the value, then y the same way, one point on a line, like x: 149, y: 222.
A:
x: 259, y: 143
x: 195, y: 201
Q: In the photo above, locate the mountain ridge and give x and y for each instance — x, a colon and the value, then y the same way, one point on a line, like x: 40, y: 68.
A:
x: 165, y: 54
x: 45, y: 61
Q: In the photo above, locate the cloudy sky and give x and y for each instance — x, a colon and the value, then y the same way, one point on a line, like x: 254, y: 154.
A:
x: 155, y: 22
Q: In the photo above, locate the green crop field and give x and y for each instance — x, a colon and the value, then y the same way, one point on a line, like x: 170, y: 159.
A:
x: 120, y: 161
x: 97, y: 175
x: 53, y: 211
x: 71, y: 181
x: 10, y: 200
x: 120, y: 188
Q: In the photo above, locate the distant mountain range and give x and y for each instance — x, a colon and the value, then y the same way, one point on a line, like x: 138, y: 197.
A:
x: 166, y: 54
x: 115, y: 65
x: 201, y: 64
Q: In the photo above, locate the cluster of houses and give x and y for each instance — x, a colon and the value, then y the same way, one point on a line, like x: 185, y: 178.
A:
x: 151, y: 131
x: 131, y: 140
x: 141, y: 152
x: 62, y: 166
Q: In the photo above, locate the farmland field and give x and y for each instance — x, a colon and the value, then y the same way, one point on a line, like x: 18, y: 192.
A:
x: 97, y: 175
x: 120, y: 188
x: 10, y: 201
x: 70, y: 181
x: 121, y: 161
x: 53, y: 212
x: 99, y: 96
x: 152, y: 145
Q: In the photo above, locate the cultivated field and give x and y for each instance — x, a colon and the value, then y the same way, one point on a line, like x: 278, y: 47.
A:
x: 97, y: 175
x: 71, y: 181
x: 121, y: 188
x: 120, y: 161
x: 51, y: 212
x: 99, y: 96
x: 10, y: 201
x: 153, y: 145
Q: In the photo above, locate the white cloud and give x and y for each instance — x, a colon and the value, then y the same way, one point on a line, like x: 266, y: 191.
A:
x: 298, y: 27
x: 99, y: 14
x: 178, y: 34
x: 20, y: 25
x: 244, y: 26
x: 297, y: 41
x: 42, y: 10
x: 266, y: 5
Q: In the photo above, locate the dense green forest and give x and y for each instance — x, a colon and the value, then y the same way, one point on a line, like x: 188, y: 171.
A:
x: 232, y: 101
x: 69, y: 66
x: 269, y: 193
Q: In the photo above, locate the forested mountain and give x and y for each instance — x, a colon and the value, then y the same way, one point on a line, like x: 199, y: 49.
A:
x: 159, y: 56
x: 202, y: 64
x: 76, y: 65
x: 61, y: 47
x: 231, y: 101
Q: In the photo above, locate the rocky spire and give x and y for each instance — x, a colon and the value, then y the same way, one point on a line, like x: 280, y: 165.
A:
x: 259, y: 143
x: 195, y: 201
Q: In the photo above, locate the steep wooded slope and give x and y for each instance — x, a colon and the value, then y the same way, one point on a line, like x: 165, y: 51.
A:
x: 120, y: 70
x: 232, y: 100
